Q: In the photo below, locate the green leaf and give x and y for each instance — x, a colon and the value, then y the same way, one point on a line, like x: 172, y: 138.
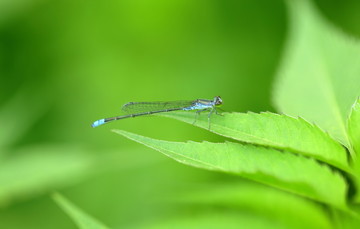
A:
x: 294, y: 173
x: 258, y: 199
x: 224, y: 219
x: 344, y: 220
x: 319, y: 75
x: 82, y: 220
x: 274, y: 130
x: 354, y: 127
x: 354, y: 134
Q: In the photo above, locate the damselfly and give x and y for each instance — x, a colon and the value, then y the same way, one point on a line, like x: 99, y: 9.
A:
x: 134, y: 109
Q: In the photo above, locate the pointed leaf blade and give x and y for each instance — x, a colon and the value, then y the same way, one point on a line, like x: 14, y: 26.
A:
x: 273, y: 130
x: 82, y: 219
x: 286, y: 171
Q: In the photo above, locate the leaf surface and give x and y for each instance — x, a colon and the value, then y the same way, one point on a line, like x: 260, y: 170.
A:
x: 353, y: 126
x: 294, y: 173
x: 225, y: 219
x: 255, y: 198
x: 319, y: 75
x: 273, y: 130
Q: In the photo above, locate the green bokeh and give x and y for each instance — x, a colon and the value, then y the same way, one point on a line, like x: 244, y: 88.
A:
x: 72, y: 62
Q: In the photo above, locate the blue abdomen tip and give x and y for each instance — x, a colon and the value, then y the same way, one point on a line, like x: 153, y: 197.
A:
x: 98, y: 123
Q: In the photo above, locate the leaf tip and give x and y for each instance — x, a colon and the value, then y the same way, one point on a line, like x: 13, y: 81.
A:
x: 124, y: 133
x: 118, y: 131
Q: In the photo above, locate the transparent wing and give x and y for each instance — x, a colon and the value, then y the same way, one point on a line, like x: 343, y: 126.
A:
x: 139, y: 107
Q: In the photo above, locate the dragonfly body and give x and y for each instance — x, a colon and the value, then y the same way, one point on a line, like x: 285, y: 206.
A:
x: 135, y: 109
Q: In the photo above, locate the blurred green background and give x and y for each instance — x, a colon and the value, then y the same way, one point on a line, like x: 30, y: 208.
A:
x: 64, y: 64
